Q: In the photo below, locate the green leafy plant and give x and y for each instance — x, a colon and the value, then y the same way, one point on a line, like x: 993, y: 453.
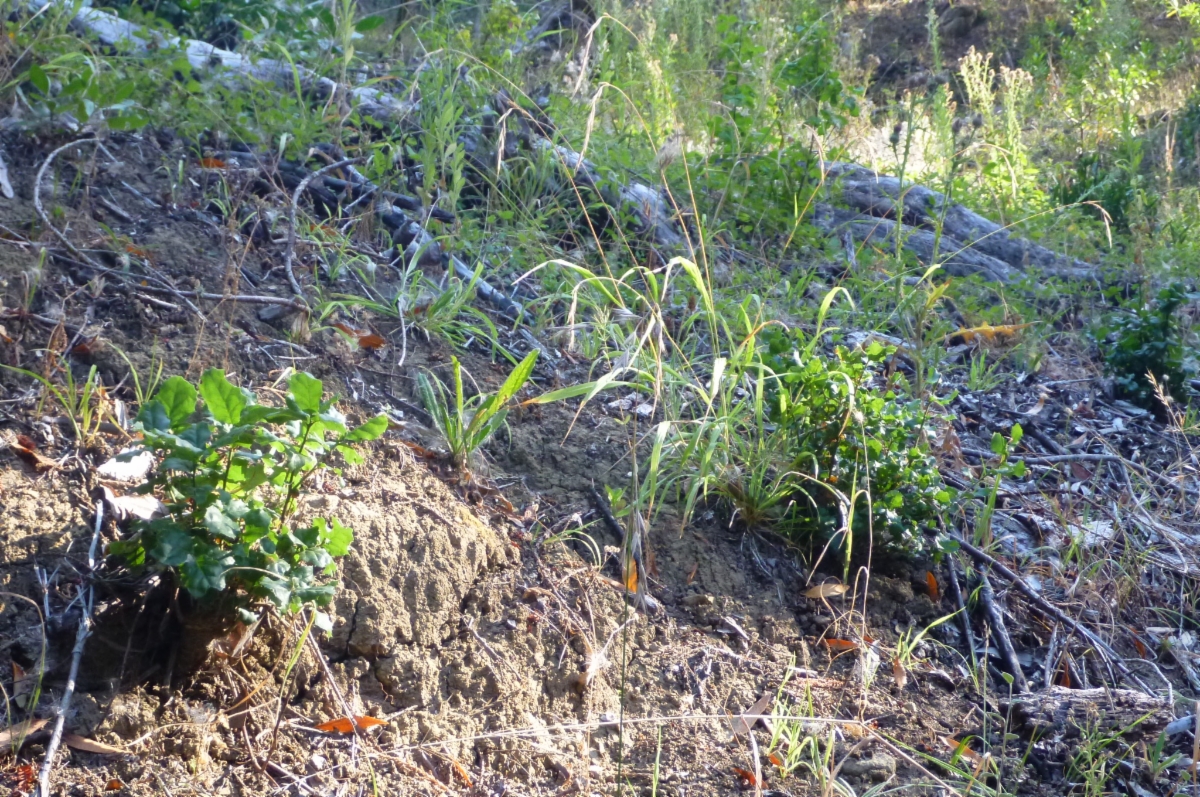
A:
x: 231, y: 475
x: 469, y: 423
x: 83, y: 405
x: 844, y: 433
x: 1148, y: 339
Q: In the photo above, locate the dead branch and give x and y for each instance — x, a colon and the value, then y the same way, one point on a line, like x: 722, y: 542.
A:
x: 916, y: 206
x: 961, y: 606
x: 291, y: 239
x: 996, y: 619
x: 113, y: 31
x: 1048, y: 609
x: 41, y: 211
x: 85, y: 629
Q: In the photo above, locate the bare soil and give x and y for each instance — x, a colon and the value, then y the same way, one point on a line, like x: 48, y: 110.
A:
x: 500, y: 661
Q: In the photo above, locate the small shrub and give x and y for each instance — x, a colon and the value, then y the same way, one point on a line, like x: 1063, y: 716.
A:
x: 842, y: 433
x: 1147, y: 339
x: 231, y: 476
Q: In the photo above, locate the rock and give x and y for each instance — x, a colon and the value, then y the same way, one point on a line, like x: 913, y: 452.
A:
x: 879, y: 767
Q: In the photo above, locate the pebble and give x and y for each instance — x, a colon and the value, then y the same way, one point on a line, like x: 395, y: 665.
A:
x: 879, y: 767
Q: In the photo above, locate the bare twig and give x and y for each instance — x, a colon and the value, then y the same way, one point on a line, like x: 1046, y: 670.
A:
x: 291, y: 239
x: 5, y: 186
x: 960, y: 604
x: 85, y: 629
x: 41, y: 211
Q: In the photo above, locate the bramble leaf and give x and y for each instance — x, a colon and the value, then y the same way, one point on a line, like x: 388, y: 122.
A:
x: 224, y: 400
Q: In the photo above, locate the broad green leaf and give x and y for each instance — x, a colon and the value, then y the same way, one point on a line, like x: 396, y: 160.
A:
x: 153, y: 416
x: 171, y: 547
x: 999, y: 446
x: 222, y: 398
x: 338, y: 538
x: 178, y: 398
x: 39, y: 79
x: 371, y: 430
x: 306, y: 390
x: 368, y: 23
x: 259, y: 518
x: 351, y: 456
x: 196, y: 436
x: 220, y: 524
x: 1017, y: 434
x: 258, y: 413
x: 516, y: 380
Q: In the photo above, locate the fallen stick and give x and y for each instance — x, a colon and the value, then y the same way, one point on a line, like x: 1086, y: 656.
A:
x: 85, y: 630
x: 41, y: 211
x: 5, y: 186
x: 1047, y: 608
x: 987, y: 597
x: 961, y: 605
x: 290, y: 252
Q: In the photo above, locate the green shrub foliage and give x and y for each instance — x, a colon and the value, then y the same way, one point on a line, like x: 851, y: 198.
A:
x: 231, y: 474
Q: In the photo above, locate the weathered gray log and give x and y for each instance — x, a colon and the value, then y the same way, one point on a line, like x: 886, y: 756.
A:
x: 112, y: 31
x: 956, y: 259
x: 1072, y: 711
x: 654, y: 218
x: 882, y: 196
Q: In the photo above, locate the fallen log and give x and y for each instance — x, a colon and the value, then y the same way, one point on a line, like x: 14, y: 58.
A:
x: 112, y: 31
x: 1075, y: 711
x: 953, y: 256
x: 886, y: 197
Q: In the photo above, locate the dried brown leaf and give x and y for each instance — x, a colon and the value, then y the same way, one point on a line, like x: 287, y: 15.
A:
x: 828, y: 590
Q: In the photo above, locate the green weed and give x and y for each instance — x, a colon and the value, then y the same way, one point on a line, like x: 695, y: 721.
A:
x: 468, y: 424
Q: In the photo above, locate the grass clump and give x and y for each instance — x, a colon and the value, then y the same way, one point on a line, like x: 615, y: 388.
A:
x: 466, y: 424
x: 230, y: 477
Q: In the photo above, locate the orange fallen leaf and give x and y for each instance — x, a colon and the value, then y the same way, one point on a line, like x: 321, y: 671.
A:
x: 987, y: 333
x: 19, y: 731
x: 1137, y: 644
x: 961, y: 749
x: 631, y: 578
x: 839, y: 645
x: 26, y: 449
x: 747, y: 778
x: 899, y: 674
x: 932, y: 583
x: 775, y: 759
x: 420, y: 450
x: 462, y: 772
x: 25, y: 775
x: 212, y: 163
x: 346, y: 725
x: 114, y: 785
x: 365, y: 337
